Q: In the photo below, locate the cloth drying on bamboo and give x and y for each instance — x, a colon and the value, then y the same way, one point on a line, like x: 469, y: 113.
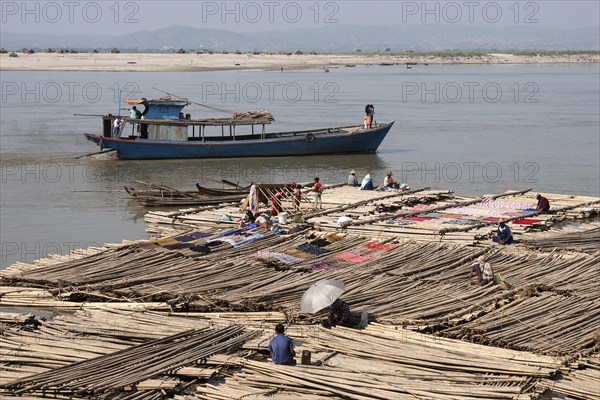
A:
x: 284, y: 258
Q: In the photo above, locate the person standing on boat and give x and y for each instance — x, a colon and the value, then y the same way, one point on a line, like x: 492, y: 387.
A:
x: 134, y: 113
x: 116, y: 127
x: 318, y: 188
x: 370, y: 112
x: 352, y: 179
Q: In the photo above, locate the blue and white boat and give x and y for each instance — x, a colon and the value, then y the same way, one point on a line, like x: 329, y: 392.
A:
x: 164, y: 132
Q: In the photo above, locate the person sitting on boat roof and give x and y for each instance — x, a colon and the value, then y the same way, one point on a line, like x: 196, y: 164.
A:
x: 390, y: 182
x: 367, y: 183
x: 352, y: 179
x: 504, y: 235
x: 543, y: 204
x: 483, y: 270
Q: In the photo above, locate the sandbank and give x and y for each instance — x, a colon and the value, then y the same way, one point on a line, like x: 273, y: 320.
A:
x: 161, y: 62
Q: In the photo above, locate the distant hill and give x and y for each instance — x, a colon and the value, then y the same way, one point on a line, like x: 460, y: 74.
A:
x: 337, y: 38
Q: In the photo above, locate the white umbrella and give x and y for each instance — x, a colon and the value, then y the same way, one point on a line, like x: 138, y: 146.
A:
x: 321, y: 294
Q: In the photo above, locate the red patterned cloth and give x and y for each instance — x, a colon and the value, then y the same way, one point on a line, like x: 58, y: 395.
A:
x: 526, y: 221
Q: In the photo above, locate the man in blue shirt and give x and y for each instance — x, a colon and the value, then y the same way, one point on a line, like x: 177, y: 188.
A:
x: 504, y: 235
x: 281, y: 348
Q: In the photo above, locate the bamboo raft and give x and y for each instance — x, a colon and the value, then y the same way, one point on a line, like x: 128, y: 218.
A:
x: 419, y: 214
x: 428, y: 321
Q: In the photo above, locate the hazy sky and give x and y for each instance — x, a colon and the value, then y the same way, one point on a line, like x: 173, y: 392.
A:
x: 115, y: 17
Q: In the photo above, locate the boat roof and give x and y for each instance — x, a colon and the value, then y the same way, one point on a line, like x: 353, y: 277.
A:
x: 206, y: 122
x: 160, y: 100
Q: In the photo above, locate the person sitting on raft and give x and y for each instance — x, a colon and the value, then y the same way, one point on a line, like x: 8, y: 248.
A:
x: 543, y: 204
x: 263, y: 220
x: 281, y: 347
x: 248, y: 218
x: 339, y: 314
x: 390, y: 182
x: 504, y: 234
x: 483, y: 270
x: 367, y: 183
x: 352, y: 180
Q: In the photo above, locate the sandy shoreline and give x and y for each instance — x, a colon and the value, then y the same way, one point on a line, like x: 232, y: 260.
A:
x: 135, y: 62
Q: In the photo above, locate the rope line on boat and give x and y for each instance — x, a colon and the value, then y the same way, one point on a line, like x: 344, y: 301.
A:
x: 198, y: 104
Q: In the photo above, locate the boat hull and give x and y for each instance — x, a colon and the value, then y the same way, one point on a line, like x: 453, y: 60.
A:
x: 338, y: 142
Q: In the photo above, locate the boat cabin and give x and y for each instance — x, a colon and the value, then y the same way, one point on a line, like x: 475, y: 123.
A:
x: 163, y: 120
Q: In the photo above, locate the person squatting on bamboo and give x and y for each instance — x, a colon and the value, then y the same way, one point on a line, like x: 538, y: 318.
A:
x: 543, y: 204
x: 318, y: 188
x: 281, y: 347
x: 504, y: 234
x: 339, y: 314
x: 483, y: 270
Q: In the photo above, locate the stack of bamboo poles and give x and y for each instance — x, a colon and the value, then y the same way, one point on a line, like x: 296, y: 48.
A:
x: 566, y: 326
x: 584, y: 238
x: 29, y: 345
x: 582, y: 383
x: 25, y: 297
x: 522, y: 267
x: 142, y: 362
x: 384, y: 363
